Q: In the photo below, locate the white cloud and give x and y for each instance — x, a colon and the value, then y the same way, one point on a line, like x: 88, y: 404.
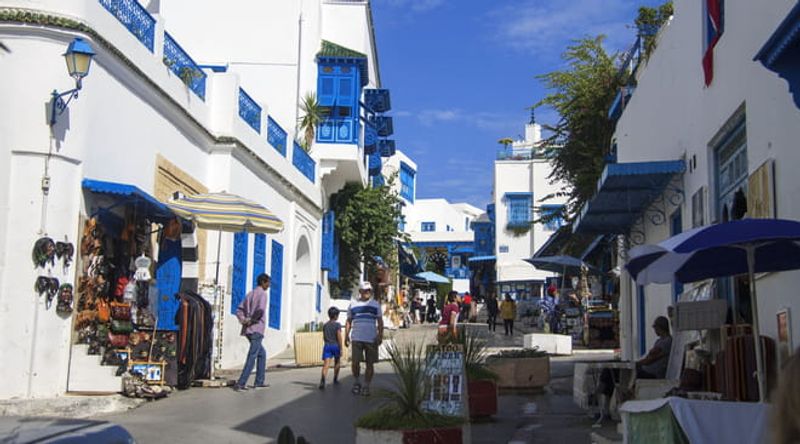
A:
x: 542, y: 26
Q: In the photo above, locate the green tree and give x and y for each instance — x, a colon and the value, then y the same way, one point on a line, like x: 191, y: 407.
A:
x: 366, y: 224
x: 581, y: 93
x: 649, y: 21
x: 313, y: 115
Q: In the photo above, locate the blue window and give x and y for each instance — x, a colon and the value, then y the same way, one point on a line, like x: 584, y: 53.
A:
x: 428, y: 226
x: 553, y: 214
x: 259, y: 257
x: 407, y: 175
x: 328, y: 231
x: 338, y: 91
x: 276, y: 284
x: 239, y: 278
x: 519, y: 209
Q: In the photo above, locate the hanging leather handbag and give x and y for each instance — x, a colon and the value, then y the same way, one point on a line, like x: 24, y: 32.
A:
x: 121, y: 311
x: 121, y: 327
x: 117, y: 341
x: 103, y: 310
x: 102, y: 331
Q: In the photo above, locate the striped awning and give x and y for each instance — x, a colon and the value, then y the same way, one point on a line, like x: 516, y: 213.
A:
x: 226, y: 212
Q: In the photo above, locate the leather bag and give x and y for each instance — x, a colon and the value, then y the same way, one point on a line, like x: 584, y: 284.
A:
x: 118, y: 341
x: 103, y: 311
x: 123, y: 327
x: 121, y: 311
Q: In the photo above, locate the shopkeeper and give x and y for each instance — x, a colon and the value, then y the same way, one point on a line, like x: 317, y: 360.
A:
x: 654, y: 364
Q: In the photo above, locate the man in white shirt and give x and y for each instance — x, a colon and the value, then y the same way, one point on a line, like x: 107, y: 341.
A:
x: 364, y: 328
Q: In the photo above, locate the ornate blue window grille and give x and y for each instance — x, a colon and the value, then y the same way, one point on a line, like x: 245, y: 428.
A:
x: 384, y: 125
x: 276, y: 286
x: 378, y: 181
x: 303, y: 162
x: 428, y: 226
x: 259, y: 257
x: 407, y: 175
x: 328, y: 231
x: 378, y: 100
x: 519, y: 209
x: 553, y: 223
x: 133, y: 15
x: 249, y: 110
x: 239, y: 284
x: 387, y: 147
x: 276, y: 136
x: 184, y: 67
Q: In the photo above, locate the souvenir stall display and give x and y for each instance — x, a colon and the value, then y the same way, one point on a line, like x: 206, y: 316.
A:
x: 195, y: 339
x: 116, y: 300
x: 53, y: 259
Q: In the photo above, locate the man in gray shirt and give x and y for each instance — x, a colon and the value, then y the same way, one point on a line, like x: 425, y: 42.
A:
x: 654, y: 364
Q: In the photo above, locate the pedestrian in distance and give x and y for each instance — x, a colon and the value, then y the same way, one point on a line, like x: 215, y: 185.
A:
x: 431, y: 311
x: 492, y: 309
x: 508, y: 311
x: 421, y: 306
x: 364, y: 328
x: 447, y: 325
x: 332, y: 350
x: 250, y: 314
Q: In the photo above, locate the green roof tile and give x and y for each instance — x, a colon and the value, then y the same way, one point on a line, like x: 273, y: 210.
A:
x: 330, y: 49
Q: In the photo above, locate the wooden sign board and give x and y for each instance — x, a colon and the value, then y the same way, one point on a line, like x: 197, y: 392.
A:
x: 446, y: 391
x: 761, y: 192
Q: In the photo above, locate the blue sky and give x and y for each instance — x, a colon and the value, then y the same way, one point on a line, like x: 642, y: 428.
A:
x: 462, y: 73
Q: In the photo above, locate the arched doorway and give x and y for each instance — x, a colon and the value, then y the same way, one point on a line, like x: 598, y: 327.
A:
x: 303, y: 309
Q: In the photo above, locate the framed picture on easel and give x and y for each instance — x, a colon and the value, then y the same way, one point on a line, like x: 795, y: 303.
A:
x: 784, y: 323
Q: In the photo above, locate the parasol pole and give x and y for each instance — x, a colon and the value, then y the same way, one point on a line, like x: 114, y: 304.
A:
x: 750, y: 249
x: 219, y: 243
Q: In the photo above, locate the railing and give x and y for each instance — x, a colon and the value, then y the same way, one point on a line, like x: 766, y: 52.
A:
x: 182, y: 65
x: 515, y: 154
x: 276, y: 136
x: 249, y: 110
x: 338, y: 131
x: 138, y: 21
x: 303, y: 162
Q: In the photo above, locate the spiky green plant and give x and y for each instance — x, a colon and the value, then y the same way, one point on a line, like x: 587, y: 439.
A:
x: 313, y: 115
x: 476, y: 350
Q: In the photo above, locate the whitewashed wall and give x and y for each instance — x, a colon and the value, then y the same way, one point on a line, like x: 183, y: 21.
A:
x: 672, y: 115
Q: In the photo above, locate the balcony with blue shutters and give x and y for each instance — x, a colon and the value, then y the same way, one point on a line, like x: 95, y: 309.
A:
x: 341, y: 140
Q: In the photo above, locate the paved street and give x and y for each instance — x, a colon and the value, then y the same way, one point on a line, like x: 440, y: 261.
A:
x: 293, y: 399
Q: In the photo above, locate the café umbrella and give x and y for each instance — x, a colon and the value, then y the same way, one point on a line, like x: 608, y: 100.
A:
x: 747, y: 246
x: 225, y: 212
x: 432, y: 277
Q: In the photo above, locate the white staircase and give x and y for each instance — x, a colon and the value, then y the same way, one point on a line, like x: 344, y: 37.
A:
x: 86, y: 374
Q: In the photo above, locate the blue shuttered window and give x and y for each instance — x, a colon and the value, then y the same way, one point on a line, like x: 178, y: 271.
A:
x: 326, y: 91
x: 259, y: 257
x: 333, y: 273
x: 428, y: 226
x: 554, y: 222
x: 519, y: 209
x: 407, y: 182
x: 239, y: 284
x: 338, y: 91
x: 276, y: 286
x: 328, y: 229
x: 319, y: 298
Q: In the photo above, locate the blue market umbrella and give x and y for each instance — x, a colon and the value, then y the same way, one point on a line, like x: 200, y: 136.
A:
x: 745, y: 246
x: 432, y: 277
x: 560, y: 264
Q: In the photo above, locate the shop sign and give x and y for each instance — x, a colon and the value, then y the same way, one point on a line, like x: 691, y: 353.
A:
x: 446, y: 389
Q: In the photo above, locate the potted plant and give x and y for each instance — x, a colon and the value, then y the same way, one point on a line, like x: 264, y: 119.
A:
x: 402, y: 417
x: 527, y: 368
x: 481, y: 381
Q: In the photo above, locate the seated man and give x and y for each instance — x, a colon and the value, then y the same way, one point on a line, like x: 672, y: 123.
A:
x: 654, y: 364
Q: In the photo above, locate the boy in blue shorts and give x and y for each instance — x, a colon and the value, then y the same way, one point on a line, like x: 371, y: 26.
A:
x: 332, y: 334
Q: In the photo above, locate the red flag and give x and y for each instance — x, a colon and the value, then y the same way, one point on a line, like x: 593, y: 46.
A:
x: 713, y: 33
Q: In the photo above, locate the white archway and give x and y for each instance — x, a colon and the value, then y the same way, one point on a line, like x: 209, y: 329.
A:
x: 303, y: 294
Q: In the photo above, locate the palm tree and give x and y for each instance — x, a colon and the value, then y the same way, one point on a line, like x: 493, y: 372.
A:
x: 313, y: 115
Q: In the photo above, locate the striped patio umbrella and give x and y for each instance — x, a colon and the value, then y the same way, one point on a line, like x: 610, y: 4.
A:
x: 226, y: 212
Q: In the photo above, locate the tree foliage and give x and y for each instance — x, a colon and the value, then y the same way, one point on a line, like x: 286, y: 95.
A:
x: 581, y: 93
x: 366, y: 224
x: 649, y: 21
x: 313, y: 115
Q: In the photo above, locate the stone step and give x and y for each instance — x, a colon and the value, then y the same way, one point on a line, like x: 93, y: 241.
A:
x: 87, y: 375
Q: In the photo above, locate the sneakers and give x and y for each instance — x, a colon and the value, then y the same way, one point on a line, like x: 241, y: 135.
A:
x: 356, y: 389
x: 260, y: 386
x: 335, y: 381
x: 239, y: 388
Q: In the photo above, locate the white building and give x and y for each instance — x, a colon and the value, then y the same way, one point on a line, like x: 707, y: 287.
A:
x: 520, y: 185
x: 150, y: 122
x: 690, y: 154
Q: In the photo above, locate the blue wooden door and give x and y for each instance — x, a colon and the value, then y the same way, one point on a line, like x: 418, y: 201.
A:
x: 276, y: 286
x: 259, y: 257
x: 239, y: 278
x: 168, y: 278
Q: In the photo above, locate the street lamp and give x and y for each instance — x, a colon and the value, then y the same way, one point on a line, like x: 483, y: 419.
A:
x: 79, y: 59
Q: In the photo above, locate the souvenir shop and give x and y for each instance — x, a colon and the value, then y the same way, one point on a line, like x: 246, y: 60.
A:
x: 129, y: 304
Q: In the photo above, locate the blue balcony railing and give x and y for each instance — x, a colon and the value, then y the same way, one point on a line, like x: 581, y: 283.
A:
x: 303, y: 162
x: 276, y: 136
x: 249, y: 110
x: 184, y: 67
x: 338, y: 131
x: 138, y: 21
x: 514, y: 154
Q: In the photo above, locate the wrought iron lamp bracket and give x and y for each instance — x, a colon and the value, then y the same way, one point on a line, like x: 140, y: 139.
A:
x: 57, y: 103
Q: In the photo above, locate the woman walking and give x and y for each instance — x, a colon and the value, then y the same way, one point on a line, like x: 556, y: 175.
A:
x: 447, y: 325
x: 508, y: 311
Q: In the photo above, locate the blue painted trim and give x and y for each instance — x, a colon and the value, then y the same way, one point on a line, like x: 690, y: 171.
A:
x: 239, y: 278
x: 303, y: 162
x: 168, y: 282
x: 515, y: 194
x: 276, y: 136
x: 786, y: 35
x: 259, y: 257
x: 319, y: 298
x: 276, y: 286
x: 249, y: 110
x: 151, y: 205
x: 215, y: 68
x: 181, y: 60
x: 135, y: 18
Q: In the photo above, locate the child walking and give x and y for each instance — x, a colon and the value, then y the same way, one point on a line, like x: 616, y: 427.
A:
x: 332, y: 351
